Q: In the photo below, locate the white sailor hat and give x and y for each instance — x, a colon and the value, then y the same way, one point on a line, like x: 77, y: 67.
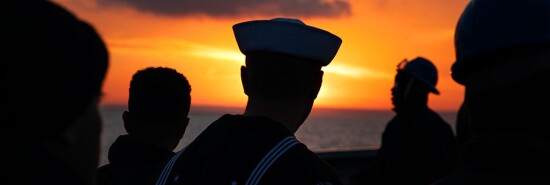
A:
x: 288, y: 36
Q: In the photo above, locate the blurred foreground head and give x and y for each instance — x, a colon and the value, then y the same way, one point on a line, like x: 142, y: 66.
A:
x: 53, y: 69
x: 51, y: 78
x: 503, y: 60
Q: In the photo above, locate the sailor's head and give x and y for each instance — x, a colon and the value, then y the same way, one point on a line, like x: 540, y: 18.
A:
x: 284, y: 57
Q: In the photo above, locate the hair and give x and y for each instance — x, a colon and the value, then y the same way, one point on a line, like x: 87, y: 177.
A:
x: 275, y: 76
x: 56, y: 69
x: 159, y: 94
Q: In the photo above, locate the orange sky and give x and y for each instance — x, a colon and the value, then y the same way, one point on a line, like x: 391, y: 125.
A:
x: 198, y: 42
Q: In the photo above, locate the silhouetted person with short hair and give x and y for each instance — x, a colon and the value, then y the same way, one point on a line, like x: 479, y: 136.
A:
x: 156, y: 120
x: 503, y: 60
x: 51, y: 79
x: 418, y: 146
x: 282, y: 78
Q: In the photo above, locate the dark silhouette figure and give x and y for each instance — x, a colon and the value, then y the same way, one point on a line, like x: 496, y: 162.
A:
x: 282, y: 78
x: 418, y: 146
x: 156, y: 120
x: 503, y: 60
x: 52, y: 73
x: 463, y: 128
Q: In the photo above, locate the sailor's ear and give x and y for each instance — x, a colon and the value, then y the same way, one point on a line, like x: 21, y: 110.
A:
x: 128, y: 121
x: 317, y: 84
x: 244, y: 79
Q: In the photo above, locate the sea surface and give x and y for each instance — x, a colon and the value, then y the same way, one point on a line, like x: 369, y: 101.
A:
x: 324, y: 130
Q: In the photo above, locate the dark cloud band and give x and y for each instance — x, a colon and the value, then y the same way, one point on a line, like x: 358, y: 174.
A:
x: 237, y: 8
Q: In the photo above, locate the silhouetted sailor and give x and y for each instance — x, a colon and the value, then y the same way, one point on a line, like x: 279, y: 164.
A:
x: 282, y: 78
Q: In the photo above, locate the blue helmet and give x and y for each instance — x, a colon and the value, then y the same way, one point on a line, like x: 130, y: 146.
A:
x: 492, y: 26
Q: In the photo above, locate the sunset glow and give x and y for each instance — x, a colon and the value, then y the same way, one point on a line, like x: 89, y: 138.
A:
x: 198, y: 42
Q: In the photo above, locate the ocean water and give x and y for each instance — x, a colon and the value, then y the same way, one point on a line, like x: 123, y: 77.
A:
x: 324, y: 130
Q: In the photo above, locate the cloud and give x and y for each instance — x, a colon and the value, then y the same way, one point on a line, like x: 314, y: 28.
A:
x: 354, y: 71
x: 183, y: 49
x: 237, y: 8
x: 218, y: 54
x: 235, y: 56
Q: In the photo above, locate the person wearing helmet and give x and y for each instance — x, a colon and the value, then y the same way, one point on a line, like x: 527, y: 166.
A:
x: 418, y: 146
x: 503, y: 61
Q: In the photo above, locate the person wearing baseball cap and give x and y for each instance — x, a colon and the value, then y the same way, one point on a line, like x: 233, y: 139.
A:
x: 282, y: 78
x: 418, y: 146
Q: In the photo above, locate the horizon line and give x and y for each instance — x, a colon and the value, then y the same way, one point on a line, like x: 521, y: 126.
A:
x: 314, y: 107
